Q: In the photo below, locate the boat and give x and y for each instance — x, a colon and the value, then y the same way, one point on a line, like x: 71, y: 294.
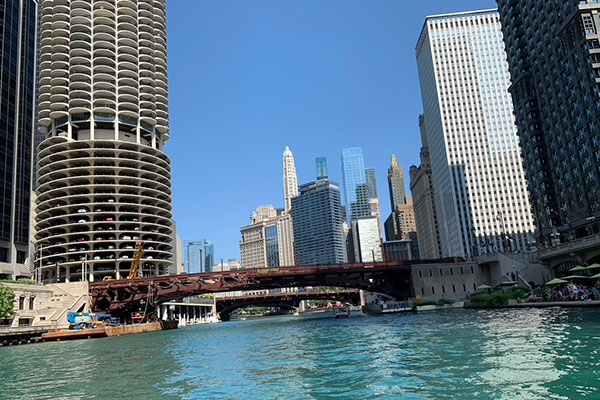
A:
x: 72, y: 334
x: 342, y: 313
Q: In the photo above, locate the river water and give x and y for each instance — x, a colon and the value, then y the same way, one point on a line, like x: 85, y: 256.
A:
x: 459, y: 354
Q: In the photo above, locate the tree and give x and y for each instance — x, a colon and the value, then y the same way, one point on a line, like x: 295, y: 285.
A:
x: 7, y: 302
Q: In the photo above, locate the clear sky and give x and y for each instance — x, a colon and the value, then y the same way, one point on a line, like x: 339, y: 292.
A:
x: 247, y: 78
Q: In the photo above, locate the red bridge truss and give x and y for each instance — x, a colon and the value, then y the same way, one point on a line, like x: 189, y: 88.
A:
x: 120, y: 297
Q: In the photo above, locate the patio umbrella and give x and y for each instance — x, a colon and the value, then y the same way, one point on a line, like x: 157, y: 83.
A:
x: 574, y: 277
x: 555, y: 282
x: 578, y: 268
x: 508, y: 283
x: 597, y: 276
x: 484, y: 287
x: 593, y: 266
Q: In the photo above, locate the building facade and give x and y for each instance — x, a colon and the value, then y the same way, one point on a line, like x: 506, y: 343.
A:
x: 396, y: 184
x: 259, y: 247
x: 104, y: 181
x: 355, y: 184
x: 285, y: 232
x: 423, y: 194
x: 200, y: 257
x: 554, y: 58
x: 371, y: 179
x: 318, y: 225
x: 18, y: 29
x: 290, y: 178
x: 478, y: 177
x: 397, y: 250
x: 367, y: 240
x: 322, y: 171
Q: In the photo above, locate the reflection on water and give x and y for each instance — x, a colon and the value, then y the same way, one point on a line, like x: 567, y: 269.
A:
x: 462, y: 354
x: 520, y: 353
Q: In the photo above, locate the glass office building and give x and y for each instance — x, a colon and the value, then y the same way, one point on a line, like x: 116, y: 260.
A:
x: 18, y: 28
x: 355, y: 184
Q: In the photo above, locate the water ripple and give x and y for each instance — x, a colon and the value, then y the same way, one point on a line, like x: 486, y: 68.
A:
x: 463, y: 354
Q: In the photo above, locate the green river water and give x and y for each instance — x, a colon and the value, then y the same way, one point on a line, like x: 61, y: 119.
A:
x: 460, y: 354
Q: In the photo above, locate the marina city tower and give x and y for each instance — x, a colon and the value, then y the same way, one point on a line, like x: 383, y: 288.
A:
x: 103, y: 181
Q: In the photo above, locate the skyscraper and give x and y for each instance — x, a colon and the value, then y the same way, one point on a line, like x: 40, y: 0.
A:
x: 200, y: 257
x: 396, y: 184
x: 290, y: 179
x: 285, y: 227
x: 371, y: 179
x: 322, y: 172
x: 259, y: 246
x: 18, y: 25
x: 318, y: 226
x: 367, y: 240
x: 478, y: 176
x: 104, y: 182
x: 553, y: 54
x: 421, y: 187
x: 355, y: 184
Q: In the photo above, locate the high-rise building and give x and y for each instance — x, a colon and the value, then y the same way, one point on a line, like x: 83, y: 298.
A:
x: 355, y: 184
x: 421, y: 187
x: 367, y: 240
x: 554, y: 58
x: 396, y: 184
x: 285, y: 227
x: 285, y: 232
x: 290, y: 178
x: 266, y: 242
x: 406, y: 218
x: 371, y: 179
x: 322, y: 172
x: 401, y: 223
x: 104, y: 181
x: 318, y: 226
x: 478, y: 176
x: 200, y: 257
x: 18, y: 26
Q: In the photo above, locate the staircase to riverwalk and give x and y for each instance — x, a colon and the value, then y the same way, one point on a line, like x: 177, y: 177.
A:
x: 67, y: 298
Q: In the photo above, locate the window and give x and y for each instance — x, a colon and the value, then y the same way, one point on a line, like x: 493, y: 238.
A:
x: 453, y: 289
x: 31, y: 302
x: 464, y: 288
x: 422, y: 290
x: 420, y: 274
x: 22, y: 303
x: 432, y: 290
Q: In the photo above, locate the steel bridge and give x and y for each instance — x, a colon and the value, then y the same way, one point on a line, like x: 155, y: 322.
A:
x: 121, y: 297
x: 291, y: 300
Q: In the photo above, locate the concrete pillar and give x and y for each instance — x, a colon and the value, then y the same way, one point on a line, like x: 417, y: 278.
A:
x: 363, y: 298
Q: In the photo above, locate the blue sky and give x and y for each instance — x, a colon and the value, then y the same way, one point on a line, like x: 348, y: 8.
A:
x: 248, y: 78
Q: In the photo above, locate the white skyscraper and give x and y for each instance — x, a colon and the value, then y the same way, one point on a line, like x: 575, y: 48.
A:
x: 290, y: 179
x: 480, y: 188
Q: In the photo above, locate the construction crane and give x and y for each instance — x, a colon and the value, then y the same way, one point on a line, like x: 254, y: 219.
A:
x: 134, y: 273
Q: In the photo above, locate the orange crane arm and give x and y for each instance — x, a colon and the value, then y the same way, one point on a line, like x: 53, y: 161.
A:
x: 135, y: 265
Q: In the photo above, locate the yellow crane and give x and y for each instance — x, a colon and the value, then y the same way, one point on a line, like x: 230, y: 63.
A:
x: 134, y: 273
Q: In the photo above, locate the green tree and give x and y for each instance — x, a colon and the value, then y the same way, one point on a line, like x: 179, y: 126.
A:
x: 7, y: 302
